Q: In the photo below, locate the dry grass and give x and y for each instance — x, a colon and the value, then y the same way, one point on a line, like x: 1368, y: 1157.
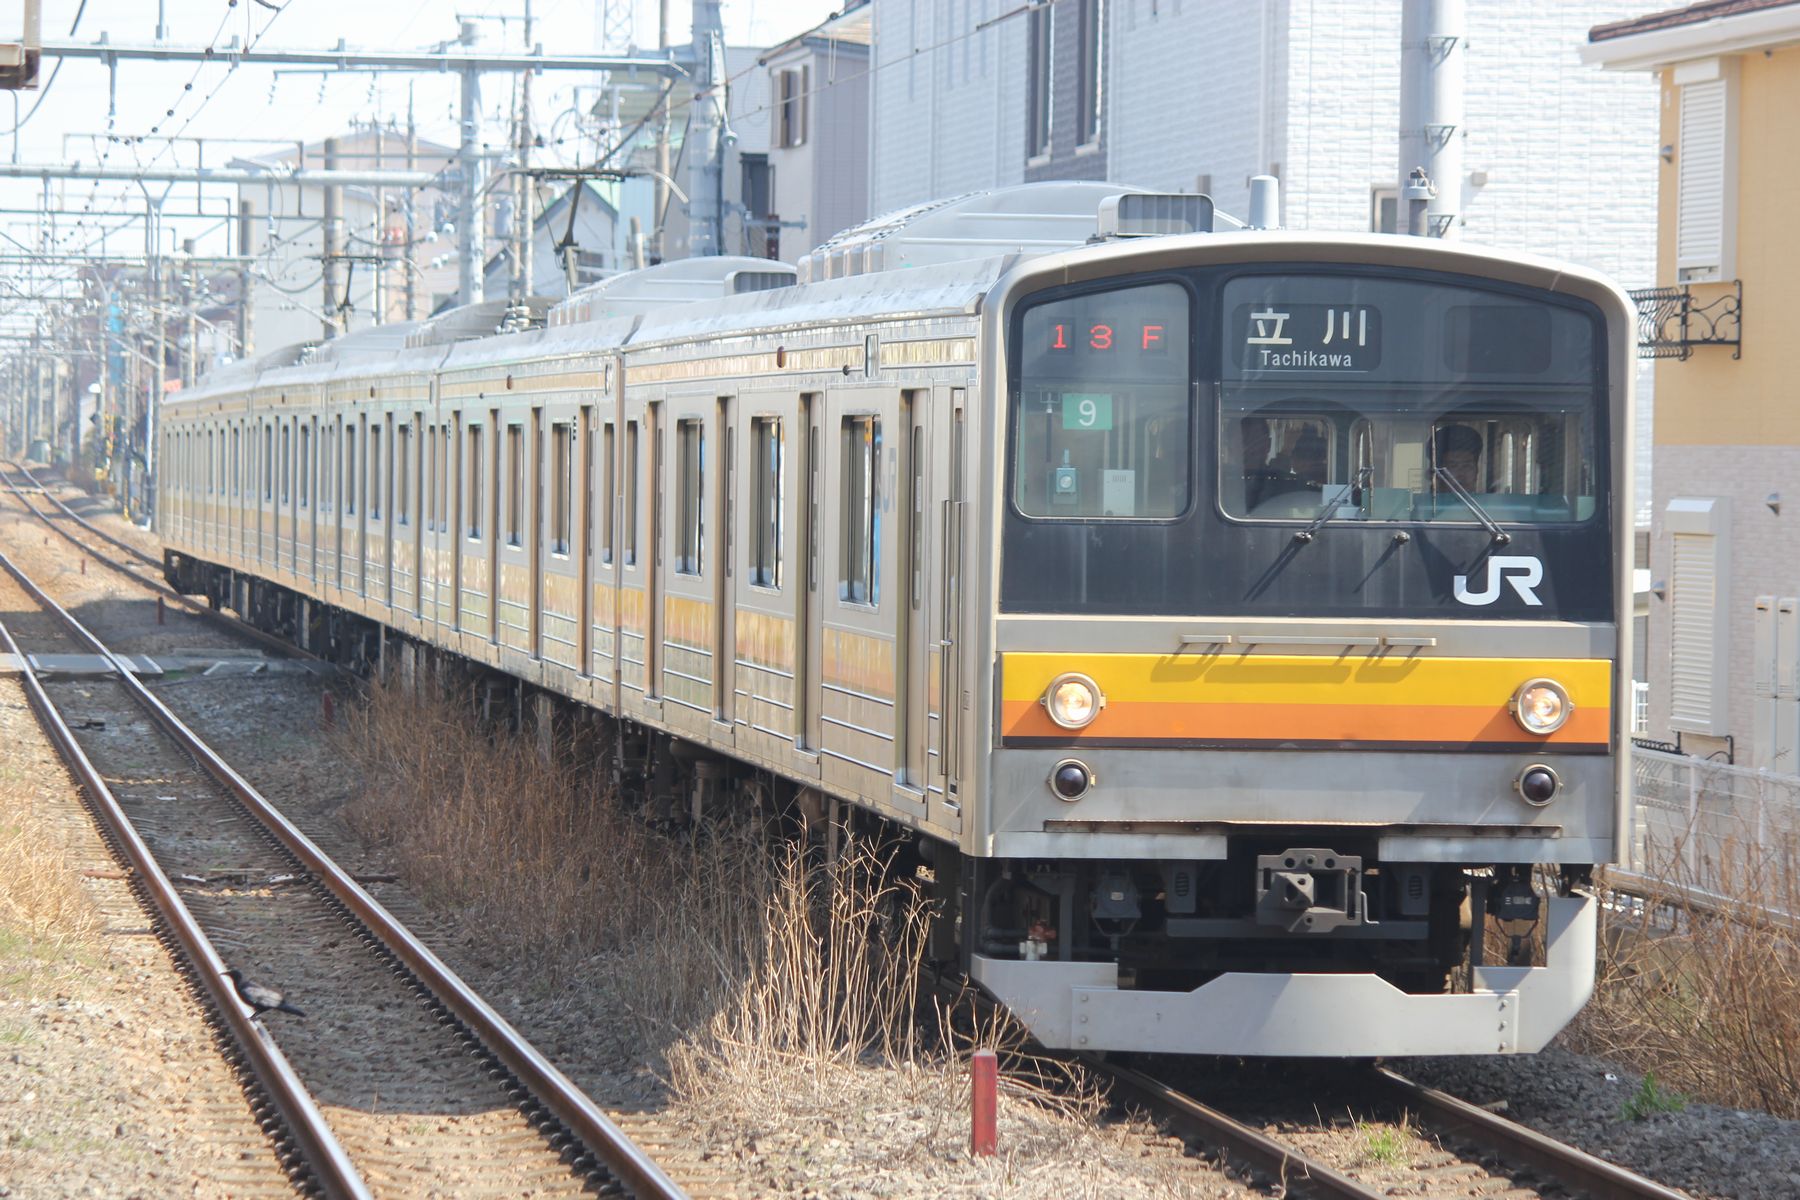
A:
x: 42, y: 897
x: 751, y: 967
x: 1707, y: 1000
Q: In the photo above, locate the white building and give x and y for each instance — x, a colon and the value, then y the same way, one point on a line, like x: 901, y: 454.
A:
x: 378, y: 271
x: 1189, y: 95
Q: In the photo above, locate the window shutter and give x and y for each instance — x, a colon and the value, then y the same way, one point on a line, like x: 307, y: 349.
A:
x: 1699, y: 585
x: 1704, y: 195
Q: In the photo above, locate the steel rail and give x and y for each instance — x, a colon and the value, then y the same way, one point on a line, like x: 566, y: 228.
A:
x: 225, y: 621
x: 609, y: 1144
x: 127, y: 547
x: 318, y: 1146
x: 1599, y: 1179
x: 1297, y: 1173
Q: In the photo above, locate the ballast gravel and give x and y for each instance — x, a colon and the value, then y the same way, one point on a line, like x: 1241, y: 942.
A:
x: 1703, y: 1149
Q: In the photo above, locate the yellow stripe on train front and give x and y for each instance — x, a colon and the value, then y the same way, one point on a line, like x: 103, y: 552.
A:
x: 1255, y: 696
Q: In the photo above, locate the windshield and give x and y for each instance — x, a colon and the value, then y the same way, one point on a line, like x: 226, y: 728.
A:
x: 1374, y: 400
x: 1104, y: 419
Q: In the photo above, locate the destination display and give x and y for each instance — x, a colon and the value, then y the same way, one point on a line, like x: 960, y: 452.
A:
x: 1285, y: 335
x: 1390, y: 330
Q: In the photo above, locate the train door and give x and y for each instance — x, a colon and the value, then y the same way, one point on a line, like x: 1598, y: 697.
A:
x: 808, y: 609
x: 912, y: 654
x: 694, y: 558
x: 723, y: 562
x: 652, y: 558
x: 948, y: 619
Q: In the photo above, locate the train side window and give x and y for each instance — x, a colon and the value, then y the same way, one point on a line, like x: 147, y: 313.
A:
x: 562, y: 484
x: 305, y: 466
x: 475, y: 464
x: 859, y: 570
x: 402, y: 473
x: 442, y: 490
x: 690, y: 516
x: 234, y: 461
x: 515, y: 480
x: 631, y: 493
x: 350, y: 476
x: 374, y: 472
x: 287, y: 462
x: 767, y: 501
x: 607, y: 471
x: 268, y: 461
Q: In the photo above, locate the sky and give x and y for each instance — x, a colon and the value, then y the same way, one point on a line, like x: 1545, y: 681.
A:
x: 74, y: 119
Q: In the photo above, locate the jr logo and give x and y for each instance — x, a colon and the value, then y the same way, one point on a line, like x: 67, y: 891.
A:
x: 1522, y: 571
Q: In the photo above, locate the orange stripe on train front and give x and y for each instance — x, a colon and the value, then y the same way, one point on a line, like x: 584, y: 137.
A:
x: 1178, y: 721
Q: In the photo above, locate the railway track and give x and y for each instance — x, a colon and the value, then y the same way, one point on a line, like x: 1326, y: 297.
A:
x: 130, y: 561
x: 1476, y: 1152
x: 403, y: 1079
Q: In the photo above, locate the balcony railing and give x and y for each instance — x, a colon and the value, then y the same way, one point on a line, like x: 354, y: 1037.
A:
x: 1671, y: 323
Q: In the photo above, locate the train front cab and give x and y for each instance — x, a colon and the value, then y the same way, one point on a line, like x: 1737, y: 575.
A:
x: 1307, y: 645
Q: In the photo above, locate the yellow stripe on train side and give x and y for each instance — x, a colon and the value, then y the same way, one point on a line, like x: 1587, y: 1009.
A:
x: 1250, y: 698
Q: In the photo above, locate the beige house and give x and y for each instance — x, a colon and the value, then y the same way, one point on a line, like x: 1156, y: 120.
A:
x: 1723, y: 657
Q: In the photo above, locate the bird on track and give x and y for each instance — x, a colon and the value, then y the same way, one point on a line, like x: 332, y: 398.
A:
x: 258, y: 997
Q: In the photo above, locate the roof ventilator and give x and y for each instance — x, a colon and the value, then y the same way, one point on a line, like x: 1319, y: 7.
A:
x: 1153, y: 214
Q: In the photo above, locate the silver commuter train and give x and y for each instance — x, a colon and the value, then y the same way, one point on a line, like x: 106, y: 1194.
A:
x: 1232, y: 619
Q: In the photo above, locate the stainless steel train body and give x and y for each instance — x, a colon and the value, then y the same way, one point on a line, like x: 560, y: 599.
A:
x: 1140, y: 581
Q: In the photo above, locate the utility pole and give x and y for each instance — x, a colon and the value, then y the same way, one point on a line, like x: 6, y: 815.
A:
x: 524, y: 226
x: 471, y: 287
x: 243, y: 307
x: 332, y: 243
x: 190, y: 361
x: 705, y: 149
x: 1432, y: 49
x: 412, y: 164
x: 660, y: 197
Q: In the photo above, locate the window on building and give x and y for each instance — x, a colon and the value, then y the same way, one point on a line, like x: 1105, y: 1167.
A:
x: 767, y: 491
x: 604, y: 528
x: 1039, y: 22
x: 374, y: 472
x: 690, y: 496
x: 859, y: 579
x: 1092, y: 67
x: 1706, y: 172
x: 472, y: 517
x: 403, y: 444
x: 515, y: 484
x: 631, y: 493
x: 791, y: 102
x: 562, y: 484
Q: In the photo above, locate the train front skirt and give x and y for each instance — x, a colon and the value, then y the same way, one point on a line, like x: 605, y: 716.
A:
x: 1512, y: 1010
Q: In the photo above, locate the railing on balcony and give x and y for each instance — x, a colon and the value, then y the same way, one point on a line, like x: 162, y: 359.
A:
x: 1671, y: 323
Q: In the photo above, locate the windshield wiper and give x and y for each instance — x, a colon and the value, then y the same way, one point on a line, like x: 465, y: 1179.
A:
x: 1501, y: 537
x: 1329, y: 512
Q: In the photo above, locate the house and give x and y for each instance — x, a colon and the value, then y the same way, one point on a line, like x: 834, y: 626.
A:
x: 1200, y: 95
x: 818, y: 167
x: 1724, y: 637
x: 392, y: 265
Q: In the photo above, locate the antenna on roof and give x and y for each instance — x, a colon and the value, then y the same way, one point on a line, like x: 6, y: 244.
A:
x: 1265, y: 202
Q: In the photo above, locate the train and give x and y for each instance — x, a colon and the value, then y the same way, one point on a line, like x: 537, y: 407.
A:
x: 1233, y: 621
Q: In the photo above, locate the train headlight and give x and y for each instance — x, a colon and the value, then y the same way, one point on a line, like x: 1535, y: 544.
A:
x: 1537, y: 785
x: 1073, y: 700
x: 1541, y: 706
